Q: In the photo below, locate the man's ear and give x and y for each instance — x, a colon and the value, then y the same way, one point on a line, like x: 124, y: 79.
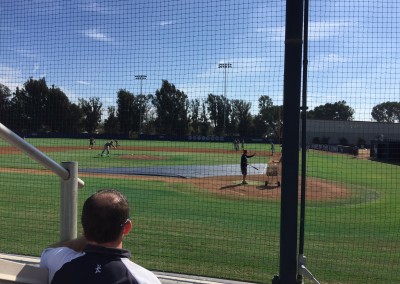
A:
x: 127, y: 228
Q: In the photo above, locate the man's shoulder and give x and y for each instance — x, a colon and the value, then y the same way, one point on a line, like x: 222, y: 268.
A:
x: 140, y: 272
x: 53, y: 259
x: 90, y: 268
x: 102, y: 266
x: 62, y: 254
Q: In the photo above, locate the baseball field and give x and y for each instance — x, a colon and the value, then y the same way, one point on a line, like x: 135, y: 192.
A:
x: 192, y: 215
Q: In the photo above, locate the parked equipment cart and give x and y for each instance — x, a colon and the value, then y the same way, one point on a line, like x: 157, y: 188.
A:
x: 273, y: 177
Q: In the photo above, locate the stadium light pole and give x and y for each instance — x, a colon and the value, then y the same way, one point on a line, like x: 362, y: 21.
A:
x: 224, y: 66
x: 141, y: 78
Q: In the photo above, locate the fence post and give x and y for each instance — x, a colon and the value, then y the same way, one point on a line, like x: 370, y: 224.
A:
x: 69, y: 202
x: 290, y: 143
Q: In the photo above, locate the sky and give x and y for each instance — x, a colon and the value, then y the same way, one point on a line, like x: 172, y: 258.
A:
x: 95, y: 48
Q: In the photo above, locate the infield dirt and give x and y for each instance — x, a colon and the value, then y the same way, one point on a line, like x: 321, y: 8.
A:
x: 223, y: 186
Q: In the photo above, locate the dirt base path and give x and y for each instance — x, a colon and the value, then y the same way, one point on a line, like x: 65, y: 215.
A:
x: 224, y: 186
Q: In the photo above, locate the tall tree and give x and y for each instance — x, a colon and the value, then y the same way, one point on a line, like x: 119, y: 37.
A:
x: 18, y: 120
x: 214, y: 111
x: 5, y: 95
x: 75, y: 118
x: 194, y: 107
x: 33, y: 101
x: 266, y: 119
x: 92, y: 113
x: 268, y: 122
x: 265, y: 104
x: 125, y: 113
x: 171, y: 106
x: 241, y: 116
x: 229, y: 128
x: 141, y: 107
x: 386, y: 112
x: 336, y: 111
x: 57, y: 111
x: 204, y: 127
x: 219, y: 111
x: 276, y: 126
x: 149, y: 116
x: 111, y: 124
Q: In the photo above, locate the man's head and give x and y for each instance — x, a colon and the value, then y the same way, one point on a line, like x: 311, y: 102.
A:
x: 244, y: 151
x: 105, y: 215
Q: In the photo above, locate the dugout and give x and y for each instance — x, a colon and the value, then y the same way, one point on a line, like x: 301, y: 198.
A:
x: 386, y: 150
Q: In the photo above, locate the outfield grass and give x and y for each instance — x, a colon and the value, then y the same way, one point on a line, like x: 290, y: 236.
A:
x: 184, y: 229
x: 91, y: 158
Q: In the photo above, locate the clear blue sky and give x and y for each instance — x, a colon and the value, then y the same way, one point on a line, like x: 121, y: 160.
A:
x: 95, y: 48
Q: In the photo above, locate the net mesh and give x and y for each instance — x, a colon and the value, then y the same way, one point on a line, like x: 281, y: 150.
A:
x: 181, y: 87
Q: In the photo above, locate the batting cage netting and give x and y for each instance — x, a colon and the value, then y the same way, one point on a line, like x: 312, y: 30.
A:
x: 158, y: 99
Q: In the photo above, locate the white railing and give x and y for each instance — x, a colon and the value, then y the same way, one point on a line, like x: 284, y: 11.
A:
x: 67, y: 171
x: 14, y: 272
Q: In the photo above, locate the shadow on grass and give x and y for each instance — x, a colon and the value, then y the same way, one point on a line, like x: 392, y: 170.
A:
x: 231, y: 186
x: 259, y: 187
x: 268, y: 187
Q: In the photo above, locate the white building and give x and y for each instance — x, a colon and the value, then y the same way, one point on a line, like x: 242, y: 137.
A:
x: 353, y: 131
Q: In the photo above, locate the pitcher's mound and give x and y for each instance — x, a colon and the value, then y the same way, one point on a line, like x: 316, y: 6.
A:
x: 316, y: 189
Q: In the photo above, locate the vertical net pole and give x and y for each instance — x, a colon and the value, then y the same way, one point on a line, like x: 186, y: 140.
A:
x: 290, y: 147
x: 303, y: 138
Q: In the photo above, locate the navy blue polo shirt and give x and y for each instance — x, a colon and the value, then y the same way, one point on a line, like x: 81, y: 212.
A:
x: 96, y: 264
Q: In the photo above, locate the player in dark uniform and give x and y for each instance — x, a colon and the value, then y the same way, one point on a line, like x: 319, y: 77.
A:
x: 243, y: 165
x: 92, y: 141
x: 237, y: 144
x: 107, y: 147
x: 272, y: 148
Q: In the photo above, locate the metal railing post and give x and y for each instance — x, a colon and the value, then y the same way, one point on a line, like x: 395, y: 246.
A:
x: 69, y: 202
x: 68, y: 173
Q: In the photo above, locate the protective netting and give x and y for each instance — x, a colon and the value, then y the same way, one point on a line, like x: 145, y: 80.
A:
x: 181, y: 87
x: 351, y: 236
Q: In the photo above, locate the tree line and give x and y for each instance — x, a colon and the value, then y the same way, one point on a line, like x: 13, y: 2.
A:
x: 35, y: 107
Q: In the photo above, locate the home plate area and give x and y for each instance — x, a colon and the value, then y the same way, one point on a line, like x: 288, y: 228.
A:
x: 193, y: 171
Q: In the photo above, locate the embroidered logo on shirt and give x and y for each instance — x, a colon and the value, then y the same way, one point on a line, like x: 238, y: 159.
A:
x: 97, y: 269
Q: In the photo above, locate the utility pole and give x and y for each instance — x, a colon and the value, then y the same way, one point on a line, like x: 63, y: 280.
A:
x: 141, y: 78
x: 225, y: 66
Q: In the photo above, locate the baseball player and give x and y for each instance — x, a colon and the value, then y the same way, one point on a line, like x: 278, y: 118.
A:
x: 107, y: 147
x: 92, y: 141
x: 243, y: 165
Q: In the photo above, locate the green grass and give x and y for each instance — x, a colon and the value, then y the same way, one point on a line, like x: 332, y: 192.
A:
x: 90, y: 158
x: 184, y: 229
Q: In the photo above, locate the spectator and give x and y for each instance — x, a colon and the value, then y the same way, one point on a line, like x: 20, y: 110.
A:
x: 97, y: 256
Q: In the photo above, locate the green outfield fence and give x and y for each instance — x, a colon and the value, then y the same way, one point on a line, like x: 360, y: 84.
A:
x: 310, y: 87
